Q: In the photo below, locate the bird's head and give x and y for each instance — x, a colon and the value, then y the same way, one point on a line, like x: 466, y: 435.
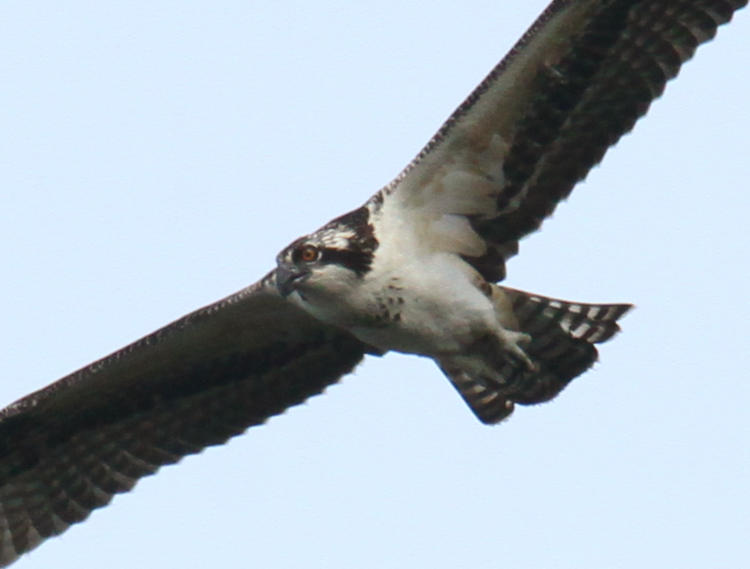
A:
x: 332, y: 257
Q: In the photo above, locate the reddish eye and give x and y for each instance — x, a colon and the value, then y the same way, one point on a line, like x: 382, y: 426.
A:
x: 308, y: 253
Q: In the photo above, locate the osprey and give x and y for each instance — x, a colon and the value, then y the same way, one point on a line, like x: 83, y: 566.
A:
x: 415, y: 270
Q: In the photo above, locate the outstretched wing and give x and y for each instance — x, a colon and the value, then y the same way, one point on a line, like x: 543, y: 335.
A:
x: 68, y: 448
x: 578, y: 79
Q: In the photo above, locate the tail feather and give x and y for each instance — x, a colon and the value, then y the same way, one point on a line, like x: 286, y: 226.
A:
x: 561, y: 347
x: 594, y: 323
x: 485, y: 400
x: 563, y: 335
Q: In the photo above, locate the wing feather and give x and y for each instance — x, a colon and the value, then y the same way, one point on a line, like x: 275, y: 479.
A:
x: 68, y: 448
x: 578, y: 80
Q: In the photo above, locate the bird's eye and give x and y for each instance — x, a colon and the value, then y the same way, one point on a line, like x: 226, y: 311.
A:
x: 309, y: 253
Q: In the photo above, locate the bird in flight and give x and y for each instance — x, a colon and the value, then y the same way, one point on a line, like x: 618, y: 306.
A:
x: 414, y: 270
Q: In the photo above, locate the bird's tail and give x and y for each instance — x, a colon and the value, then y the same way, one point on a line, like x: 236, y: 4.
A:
x: 559, y: 346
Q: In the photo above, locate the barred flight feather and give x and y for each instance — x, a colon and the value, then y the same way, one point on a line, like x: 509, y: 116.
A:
x: 561, y: 348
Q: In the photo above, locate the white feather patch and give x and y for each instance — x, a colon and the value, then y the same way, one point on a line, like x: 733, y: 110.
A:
x: 454, y: 233
x: 463, y: 192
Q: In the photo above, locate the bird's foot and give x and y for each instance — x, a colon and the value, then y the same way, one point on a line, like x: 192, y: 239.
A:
x: 512, y: 343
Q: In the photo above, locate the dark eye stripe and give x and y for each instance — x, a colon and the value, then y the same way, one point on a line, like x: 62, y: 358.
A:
x: 355, y: 260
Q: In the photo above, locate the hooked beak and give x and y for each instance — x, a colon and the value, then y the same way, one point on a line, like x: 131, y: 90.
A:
x: 287, y: 278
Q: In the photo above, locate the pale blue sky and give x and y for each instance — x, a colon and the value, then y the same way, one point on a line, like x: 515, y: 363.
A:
x: 156, y: 155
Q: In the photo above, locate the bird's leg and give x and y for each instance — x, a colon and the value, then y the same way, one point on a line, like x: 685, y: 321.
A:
x: 495, y: 351
x: 511, y: 345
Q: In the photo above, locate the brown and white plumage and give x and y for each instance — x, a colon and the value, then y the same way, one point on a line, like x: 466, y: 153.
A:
x: 569, y: 89
x: 562, y: 334
x: 68, y: 448
x: 500, y: 165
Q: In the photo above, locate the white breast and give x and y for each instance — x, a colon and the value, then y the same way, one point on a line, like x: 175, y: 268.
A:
x: 426, y: 304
